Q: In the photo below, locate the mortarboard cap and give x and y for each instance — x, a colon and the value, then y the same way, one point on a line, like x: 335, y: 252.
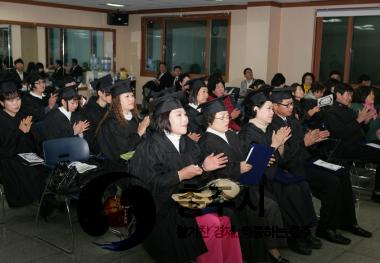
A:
x: 279, y: 94
x: 8, y: 87
x: 121, y: 87
x: 68, y: 93
x: 168, y: 102
x: 69, y: 82
x: 213, y: 106
x: 258, y: 96
x: 104, y: 83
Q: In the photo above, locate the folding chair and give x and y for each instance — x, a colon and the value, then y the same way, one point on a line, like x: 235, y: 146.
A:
x: 55, y: 151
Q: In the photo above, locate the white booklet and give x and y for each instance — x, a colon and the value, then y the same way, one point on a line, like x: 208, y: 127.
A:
x: 325, y: 101
x: 31, y: 158
x: 374, y: 145
x: 82, y: 167
x: 327, y: 165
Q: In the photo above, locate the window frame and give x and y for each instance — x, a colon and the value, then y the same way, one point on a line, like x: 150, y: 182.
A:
x: 194, y: 17
x: 91, y: 29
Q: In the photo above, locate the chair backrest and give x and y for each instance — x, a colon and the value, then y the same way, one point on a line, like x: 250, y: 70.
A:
x: 65, y: 149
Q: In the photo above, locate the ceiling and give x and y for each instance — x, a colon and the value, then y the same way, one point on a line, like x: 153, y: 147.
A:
x: 157, y: 4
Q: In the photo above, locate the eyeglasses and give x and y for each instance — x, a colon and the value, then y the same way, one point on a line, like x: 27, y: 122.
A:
x: 224, y: 117
x: 291, y: 104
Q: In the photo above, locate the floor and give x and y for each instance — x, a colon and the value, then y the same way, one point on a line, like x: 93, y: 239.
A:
x: 17, y: 242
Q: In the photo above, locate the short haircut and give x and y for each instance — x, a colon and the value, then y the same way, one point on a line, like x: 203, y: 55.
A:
x: 317, y: 87
x: 308, y: 74
x: 74, y: 60
x: 175, y: 67
x: 361, y: 93
x: 277, y: 80
x: 246, y: 69
x: 59, y: 62
x: 19, y: 60
x: 295, y: 85
x: 363, y: 77
x: 161, y: 122
x: 341, y: 88
x: 335, y: 72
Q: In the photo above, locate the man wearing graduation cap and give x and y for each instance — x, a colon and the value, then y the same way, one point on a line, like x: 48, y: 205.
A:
x: 96, y: 108
x: 65, y: 121
x: 332, y: 188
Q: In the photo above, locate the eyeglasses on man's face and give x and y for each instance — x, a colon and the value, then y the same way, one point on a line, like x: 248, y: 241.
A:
x: 223, y: 117
x: 289, y: 105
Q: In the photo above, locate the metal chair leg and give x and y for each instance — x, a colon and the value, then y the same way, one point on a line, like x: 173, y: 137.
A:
x: 69, y: 250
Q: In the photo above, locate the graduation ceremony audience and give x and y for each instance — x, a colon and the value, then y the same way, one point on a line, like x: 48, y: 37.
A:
x: 194, y: 134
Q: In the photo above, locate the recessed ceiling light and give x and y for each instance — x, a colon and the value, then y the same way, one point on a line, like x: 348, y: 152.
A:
x: 115, y: 5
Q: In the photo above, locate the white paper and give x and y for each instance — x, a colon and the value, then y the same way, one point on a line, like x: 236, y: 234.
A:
x: 374, y: 145
x: 31, y: 158
x: 327, y: 165
x: 82, y: 167
x: 326, y: 101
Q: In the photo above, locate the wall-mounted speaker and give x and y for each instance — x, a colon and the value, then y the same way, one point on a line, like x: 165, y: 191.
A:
x: 117, y: 18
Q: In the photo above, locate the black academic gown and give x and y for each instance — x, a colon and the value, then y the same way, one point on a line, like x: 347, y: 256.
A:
x: 325, y: 185
x: 114, y: 139
x: 22, y: 184
x: 342, y: 124
x: 293, y: 198
x: 175, y: 237
x: 35, y: 107
x: 244, y: 213
x: 166, y: 80
x: 93, y: 113
x: 195, y: 120
x: 57, y: 125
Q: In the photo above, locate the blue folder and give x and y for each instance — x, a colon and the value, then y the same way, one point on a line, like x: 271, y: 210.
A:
x: 258, y: 157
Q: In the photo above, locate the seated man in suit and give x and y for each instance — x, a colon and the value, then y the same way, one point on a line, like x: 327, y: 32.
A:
x: 76, y: 71
x: 17, y: 74
x: 164, y: 78
x: 346, y: 125
x: 247, y: 82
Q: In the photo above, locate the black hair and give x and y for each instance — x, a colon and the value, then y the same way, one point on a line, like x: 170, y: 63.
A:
x: 335, y: 72
x: 317, y: 87
x: 361, y: 93
x: 161, y: 122
x: 179, y: 67
x: 363, y: 77
x: 9, y: 95
x: 75, y: 61
x: 246, y: 69
x: 257, y: 83
x: 295, y: 85
x: 308, y: 74
x: 249, y: 112
x: 277, y: 80
x: 59, y: 62
x: 341, y: 88
x: 208, y: 119
x: 213, y: 80
x: 31, y: 68
x: 162, y: 63
x: 19, y: 60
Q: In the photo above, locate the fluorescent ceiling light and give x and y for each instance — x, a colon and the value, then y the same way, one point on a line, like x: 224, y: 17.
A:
x: 115, y: 5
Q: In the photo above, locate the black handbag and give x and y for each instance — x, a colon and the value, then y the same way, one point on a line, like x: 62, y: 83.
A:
x: 65, y: 179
